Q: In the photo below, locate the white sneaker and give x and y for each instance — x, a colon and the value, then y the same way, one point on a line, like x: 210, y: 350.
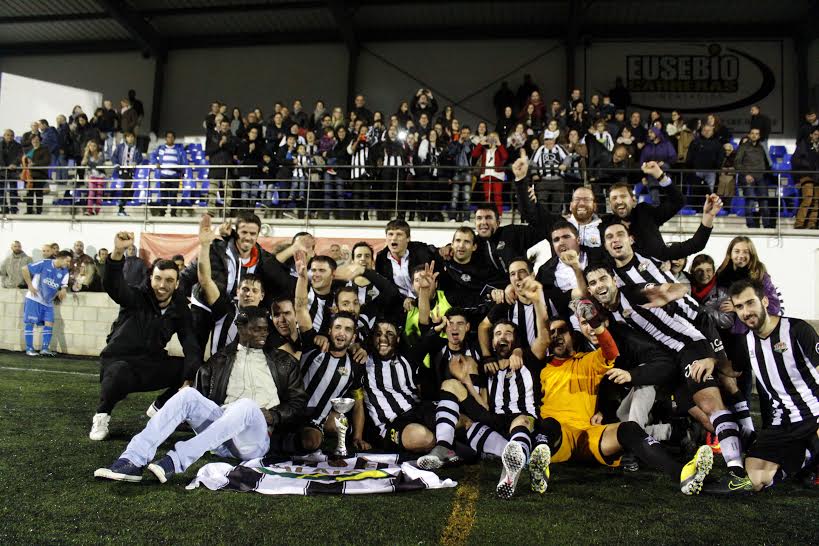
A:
x: 513, y: 462
x: 99, y: 427
x: 152, y: 410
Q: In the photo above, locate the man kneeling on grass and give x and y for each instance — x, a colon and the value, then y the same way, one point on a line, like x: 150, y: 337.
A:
x: 248, y: 392
x: 567, y: 429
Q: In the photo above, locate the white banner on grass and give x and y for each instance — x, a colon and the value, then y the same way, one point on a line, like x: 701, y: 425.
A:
x: 315, y: 475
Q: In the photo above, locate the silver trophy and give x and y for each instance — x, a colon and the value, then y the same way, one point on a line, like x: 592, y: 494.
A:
x: 342, y: 406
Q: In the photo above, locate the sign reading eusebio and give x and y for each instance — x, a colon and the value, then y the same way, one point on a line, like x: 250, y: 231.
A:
x: 696, y: 78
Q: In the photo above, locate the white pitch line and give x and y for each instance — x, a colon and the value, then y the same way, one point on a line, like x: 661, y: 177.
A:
x: 47, y: 371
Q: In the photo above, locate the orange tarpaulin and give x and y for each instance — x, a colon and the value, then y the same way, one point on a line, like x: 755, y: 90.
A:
x: 166, y: 245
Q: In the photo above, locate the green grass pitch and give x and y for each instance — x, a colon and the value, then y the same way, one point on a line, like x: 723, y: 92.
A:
x: 50, y: 496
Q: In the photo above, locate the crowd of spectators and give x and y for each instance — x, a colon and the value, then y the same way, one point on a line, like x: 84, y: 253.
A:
x: 421, y: 162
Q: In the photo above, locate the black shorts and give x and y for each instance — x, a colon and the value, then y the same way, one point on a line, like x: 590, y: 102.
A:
x: 422, y: 414
x: 785, y: 445
x: 709, y: 329
x: 693, y: 351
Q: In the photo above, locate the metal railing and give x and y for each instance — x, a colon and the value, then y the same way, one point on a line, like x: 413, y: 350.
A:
x: 356, y: 193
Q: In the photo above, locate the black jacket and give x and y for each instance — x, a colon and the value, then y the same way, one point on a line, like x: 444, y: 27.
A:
x: 805, y: 157
x: 645, y: 225
x: 705, y: 153
x: 141, y: 329
x: 419, y: 254
x: 214, y: 376
x: 11, y: 153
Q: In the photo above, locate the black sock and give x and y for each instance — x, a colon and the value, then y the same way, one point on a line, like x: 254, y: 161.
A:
x: 548, y: 431
x: 521, y: 435
x: 446, y: 418
x: 647, y: 448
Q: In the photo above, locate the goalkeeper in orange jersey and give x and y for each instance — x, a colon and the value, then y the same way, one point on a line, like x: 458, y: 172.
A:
x: 568, y: 429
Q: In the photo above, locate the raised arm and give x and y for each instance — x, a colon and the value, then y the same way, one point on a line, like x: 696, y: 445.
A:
x: 203, y: 273
x: 697, y: 242
x: 425, y: 283
x: 113, y: 282
x: 672, y: 202
x: 533, y: 290
x: 303, y: 318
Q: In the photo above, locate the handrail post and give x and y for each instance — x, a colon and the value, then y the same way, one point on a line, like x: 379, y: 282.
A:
x: 307, y: 197
x: 397, y: 175
x: 778, y: 208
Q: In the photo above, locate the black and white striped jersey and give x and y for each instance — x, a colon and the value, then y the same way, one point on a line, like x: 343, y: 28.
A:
x: 364, y: 326
x: 784, y: 365
x: 326, y: 377
x: 512, y: 392
x: 641, y: 270
x: 669, y: 325
x: 320, y: 309
x: 367, y: 296
x: 390, y: 389
x: 223, y: 311
x: 522, y: 315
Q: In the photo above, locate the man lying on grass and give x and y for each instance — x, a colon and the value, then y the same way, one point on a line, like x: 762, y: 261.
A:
x: 248, y: 392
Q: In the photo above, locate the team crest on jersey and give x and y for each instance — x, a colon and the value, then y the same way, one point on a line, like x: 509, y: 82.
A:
x: 343, y: 371
x: 466, y: 277
x: 626, y: 313
x: 394, y: 436
x: 643, y: 266
x: 780, y: 347
x: 501, y: 245
x: 817, y: 348
x: 372, y: 292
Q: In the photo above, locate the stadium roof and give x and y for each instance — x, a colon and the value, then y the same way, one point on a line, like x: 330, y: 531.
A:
x: 156, y: 26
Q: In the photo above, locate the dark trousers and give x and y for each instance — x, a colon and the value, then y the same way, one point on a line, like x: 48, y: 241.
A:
x: 127, y: 176
x: 8, y: 193
x: 119, y: 377
x: 34, y: 197
x: 168, y: 194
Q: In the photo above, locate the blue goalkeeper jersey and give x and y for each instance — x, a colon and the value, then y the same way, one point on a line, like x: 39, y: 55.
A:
x: 48, y: 280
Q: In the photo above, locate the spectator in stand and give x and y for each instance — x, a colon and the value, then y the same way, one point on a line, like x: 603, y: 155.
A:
x: 220, y: 149
x: 128, y: 117
x: 616, y: 124
x: 171, y: 161
x: 680, y: 135
x: 125, y: 159
x: 93, y: 161
x: 298, y: 115
x: 11, y: 271
x: 209, y: 124
x: 549, y: 163
x: 595, y: 107
x: 726, y: 187
x: 619, y: 94
x: 598, y: 132
x: 359, y: 151
x: 75, y: 112
x: 319, y: 111
x: 136, y: 104
x: 82, y: 134
x: 337, y: 118
x: 807, y: 126
x: 11, y: 156
x: 574, y: 97
x: 276, y: 132
x: 528, y: 117
x: 392, y: 152
x: 446, y: 117
x: 638, y: 131
x: 111, y: 124
x: 577, y: 155
x: 526, y: 89
x: 63, y: 142
x: 299, y: 178
x: 506, y: 123
x: 751, y: 160
x: 721, y: 132
x: 335, y: 144
x: 557, y: 113
x: 36, y: 161
x: 492, y: 156
x: 423, y: 103
x: 578, y: 117
x: 403, y: 114
x: 50, y: 139
x: 25, y: 141
x: 806, y: 158
x: 516, y: 141
x: 236, y: 120
x: 249, y: 156
x: 661, y: 151
x: 361, y: 110
x: 503, y: 98
x: 430, y: 155
x: 705, y: 157
x: 762, y: 122
x: 459, y: 154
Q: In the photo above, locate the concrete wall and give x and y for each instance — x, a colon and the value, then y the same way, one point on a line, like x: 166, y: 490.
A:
x: 111, y: 74
x: 81, y: 323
